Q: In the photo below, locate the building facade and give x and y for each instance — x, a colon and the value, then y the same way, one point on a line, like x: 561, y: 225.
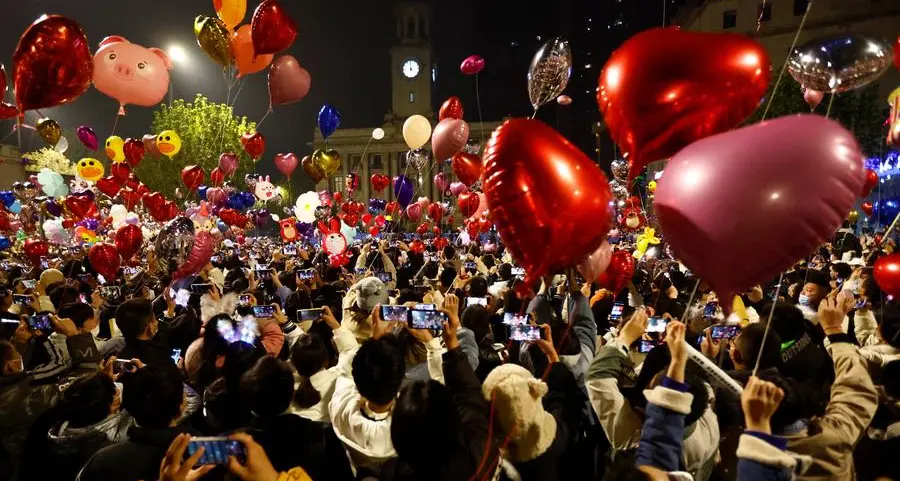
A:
x: 11, y: 168
x: 413, y: 71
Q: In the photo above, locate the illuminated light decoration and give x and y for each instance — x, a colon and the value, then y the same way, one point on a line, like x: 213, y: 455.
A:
x: 885, y: 166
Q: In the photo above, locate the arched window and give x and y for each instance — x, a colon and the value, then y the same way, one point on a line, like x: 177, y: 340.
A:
x: 411, y: 27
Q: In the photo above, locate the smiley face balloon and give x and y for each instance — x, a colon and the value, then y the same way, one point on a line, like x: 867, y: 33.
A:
x: 169, y: 143
x: 115, y: 148
x: 89, y: 169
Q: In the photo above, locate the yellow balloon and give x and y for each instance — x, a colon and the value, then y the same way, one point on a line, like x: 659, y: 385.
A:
x: 89, y: 169
x: 169, y: 143
x: 115, y: 148
x: 644, y: 240
x: 416, y: 131
x: 853, y: 216
x: 893, y: 97
x: 214, y: 38
x: 231, y: 12
x: 651, y: 186
x: 49, y: 130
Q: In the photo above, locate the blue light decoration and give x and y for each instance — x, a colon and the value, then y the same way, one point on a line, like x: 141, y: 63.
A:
x: 887, y: 166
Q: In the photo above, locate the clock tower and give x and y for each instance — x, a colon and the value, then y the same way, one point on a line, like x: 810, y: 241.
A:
x: 411, y: 62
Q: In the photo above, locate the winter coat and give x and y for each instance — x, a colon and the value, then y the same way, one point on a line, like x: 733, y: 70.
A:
x: 137, y: 458
x: 66, y: 449
x: 324, y: 380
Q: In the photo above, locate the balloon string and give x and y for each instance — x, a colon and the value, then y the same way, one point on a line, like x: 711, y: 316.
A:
x: 478, y: 103
x: 769, y: 323
x: 787, y: 58
x: 115, y: 124
x: 762, y: 11
x: 238, y: 94
x: 258, y: 124
x: 363, y: 157
x: 830, y: 102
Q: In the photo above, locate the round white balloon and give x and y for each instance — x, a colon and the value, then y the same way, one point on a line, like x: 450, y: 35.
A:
x: 378, y: 133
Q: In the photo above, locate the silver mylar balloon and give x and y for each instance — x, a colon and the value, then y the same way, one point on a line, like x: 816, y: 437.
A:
x: 472, y: 147
x: 175, y: 240
x: 618, y: 190
x: 839, y: 63
x: 418, y: 158
x: 619, y: 170
x: 549, y: 73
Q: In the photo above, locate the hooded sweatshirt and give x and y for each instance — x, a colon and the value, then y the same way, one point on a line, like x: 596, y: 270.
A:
x: 68, y: 448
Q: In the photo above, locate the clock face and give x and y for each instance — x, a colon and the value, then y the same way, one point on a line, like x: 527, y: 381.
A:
x: 410, y: 68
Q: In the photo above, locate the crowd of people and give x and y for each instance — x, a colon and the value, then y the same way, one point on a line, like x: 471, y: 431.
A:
x: 307, y: 371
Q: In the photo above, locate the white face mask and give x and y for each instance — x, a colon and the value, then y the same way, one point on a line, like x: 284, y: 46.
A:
x: 803, y: 300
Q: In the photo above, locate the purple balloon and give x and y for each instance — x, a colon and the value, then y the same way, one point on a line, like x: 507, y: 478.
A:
x: 89, y: 223
x: 377, y: 205
x: 53, y: 208
x: 87, y: 137
x: 260, y: 217
x: 305, y: 229
x: 403, y: 190
x: 739, y: 207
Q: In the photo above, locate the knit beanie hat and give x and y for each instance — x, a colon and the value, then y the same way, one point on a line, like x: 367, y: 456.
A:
x: 519, y: 411
x: 371, y: 292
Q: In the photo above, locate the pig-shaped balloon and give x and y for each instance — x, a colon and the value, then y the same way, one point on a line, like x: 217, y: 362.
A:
x: 130, y: 73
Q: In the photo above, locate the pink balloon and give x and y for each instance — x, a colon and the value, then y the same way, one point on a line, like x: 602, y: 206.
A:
x: 739, y: 207
x: 130, y: 73
x: 424, y: 202
x: 216, y: 195
x: 414, y: 211
x: 441, y: 182
x: 596, y: 262
x: 449, y: 137
x: 87, y: 137
x: 286, y: 163
x: 228, y: 163
x: 204, y: 243
x: 457, y: 188
x: 472, y: 65
x: 482, y: 206
x: 288, y: 81
x: 813, y: 97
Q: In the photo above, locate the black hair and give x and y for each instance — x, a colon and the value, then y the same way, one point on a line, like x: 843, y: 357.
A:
x: 449, y: 252
x: 309, y: 355
x: 424, y: 410
x: 60, y: 294
x: 819, y: 278
x: 890, y: 379
x: 268, y: 387
x: 792, y: 407
x: 477, y: 319
x: 890, y: 324
x: 842, y: 269
x: 133, y: 316
x: 750, y: 344
x: 239, y: 358
x: 430, y: 271
x: 296, y: 301
x: 448, y: 275
x: 78, y: 312
x: 87, y: 400
x: 288, y: 279
x: 378, y: 369
x: 504, y: 272
x: 787, y: 320
x: 478, y: 287
x: 153, y: 395
x: 7, y: 350
x: 410, y: 295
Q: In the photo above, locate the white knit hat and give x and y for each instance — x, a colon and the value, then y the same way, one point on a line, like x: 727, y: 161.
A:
x: 519, y: 411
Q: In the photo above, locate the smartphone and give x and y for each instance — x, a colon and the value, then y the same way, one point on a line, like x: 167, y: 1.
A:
x: 524, y: 332
x: 176, y: 355
x: 244, y: 300
x: 656, y: 324
x: 360, y: 271
x: 425, y: 307
x: 130, y: 271
x: 182, y: 297
x: 513, y: 319
x: 82, y: 298
x: 471, y: 266
x: 21, y: 299
x: 518, y: 271
x: 200, y: 288
x: 309, y: 314
x: 45, y: 264
x: 394, y: 313
x: 29, y: 283
x: 476, y: 301
x: 214, y: 259
x: 616, y: 313
x: 109, y: 292
x: 83, y: 277
x: 216, y: 449
x: 289, y: 250
x: 860, y: 303
x: 263, y: 311
x: 40, y: 322
x: 307, y: 274
x: 647, y: 346
x: 710, y: 309
x: 385, y: 276
x: 123, y: 365
x: 427, y: 319
x: 725, y: 332
x: 263, y: 273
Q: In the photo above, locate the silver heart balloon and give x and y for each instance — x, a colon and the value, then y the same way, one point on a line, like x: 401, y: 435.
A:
x: 418, y: 158
x: 839, y: 63
x: 619, y: 170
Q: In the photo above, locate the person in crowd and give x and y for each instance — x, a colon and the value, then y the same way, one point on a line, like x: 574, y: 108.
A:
x: 359, y: 304
x: 139, y: 327
x: 815, y: 287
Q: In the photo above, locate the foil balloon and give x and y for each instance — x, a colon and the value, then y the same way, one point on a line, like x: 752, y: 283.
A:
x: 115, y: 148
x: 192, y: 176
x: 34, y: 249
x: 254, y: 144
x: 288, y: 81
x: 871, y: 182
x: 231, y: 12
x: 168, y: 143
x: 564, y: 100
x: 328, y: 161
x: 418, y: 158
x: 131, y: 73
x: 62, y: 146
x: 548, y: 200
x: 403, y: 190
x: 245, y: 58
x: 467, y: 168
x: 272, y: 29
x: 549, y: 73
x: 472, y: 65
x: 52, y: 64
x: 414, y: 211
x: 839, y: 63
x: 150, y: 147
x: 216, y: 177
x: 379, y: 182
x: 286, y: 163
x: 228, y: 162
x: 129, y: 239
x: 619, y: 272
x: 87, y: 137
x: 698, y: 198
x: 176, y: 240
x: 596, y: 262
x: 214, y: 38
x: 449, y: 137
x: 312, y: 170
x: 458, y: 188
x: 329, y: 119
x: 441, y: 182
x: 306, y: 205
x: 812, y: 97
x: 134, y: 151
x: 887, y: 274
x: 198, y: 257
x: 665, y: 88
x: 452, y: 108
x: 105, y: 259
x: 416, y: 131
x: 376, y: 204
x: 49, y: 130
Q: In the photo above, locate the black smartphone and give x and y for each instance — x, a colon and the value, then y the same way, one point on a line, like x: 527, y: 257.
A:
x: 83, y: 298
x: 471, y: 266
x: 385, y: 276
x: 513, y: 319
x: 476, y: 301
x: 647, y: 346
x: 216, y: 449
x: 176, y: 355
x: 359, y: 271
x: 29, y: 283
x: 21, y: 299
x: 263, y: 311
x: 427, y: 319
x: 109, y: 292
x: 130, y: 271
x: 524, y: 332
x: 425, y: 307
x: 617, y: 309
x: 263, y: 273
x: 40, y: 322
x: 200, y: 288
x: 394, y: 313
x: 244, y: 300
x: 45, y: 264
x: 309, y: 314
x: 214, y: 259
x: 307, y: 274
x: 656, y: 324
x: 710, y: 309
x: 289, y: 250
x: 724, y: 332
x: 518, y: 271
x: 123, y: 365
x: 83, y: 277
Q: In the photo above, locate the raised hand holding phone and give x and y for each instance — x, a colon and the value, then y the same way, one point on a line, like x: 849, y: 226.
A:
x: 175, y: 467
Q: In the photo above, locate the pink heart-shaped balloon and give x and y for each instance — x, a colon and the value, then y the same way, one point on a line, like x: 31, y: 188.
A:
x: 228, y: 162
x: 441, y: 182
x: 424, y: 202
x: 414, y: 211
x: 286, y: 163
x: 288, y: 81
x: 448, y: 138
x: 216, y: 195
x: 457, y: 188
x: 725, y: 198
x: 471, y: 65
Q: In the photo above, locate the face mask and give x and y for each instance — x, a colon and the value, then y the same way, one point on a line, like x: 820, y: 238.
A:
x: 803, y: 300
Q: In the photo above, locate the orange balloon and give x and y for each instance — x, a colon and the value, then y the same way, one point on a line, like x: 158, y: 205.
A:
x: 245, y: 57
x: 231, y: 12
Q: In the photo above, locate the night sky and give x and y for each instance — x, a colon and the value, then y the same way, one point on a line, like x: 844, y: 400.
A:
x: 344, y: 45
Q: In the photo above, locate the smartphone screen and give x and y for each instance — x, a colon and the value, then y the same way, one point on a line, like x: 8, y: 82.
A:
x: 524, y: 332
x: 656, y: 324
x: 45, y: 264
x: 263, y: 273
x: 83, y: 299
x: 385, y: 276
x: 470, y: 266
x: 289, y: 250
x: 244, y: 300
x: 200, y: 288
x: 21, y: 299
x: 182, y: 297
x: 176, y: 355
x: 214, y: 259
x: 359, y: 271
x: 517, y: 271
x: 394, y: 313
x: 309, y: 314
x: 109, y: 292
x: 29, y: 283
x: 428, y: 319
x: 307, y: 274
x: 647, y: 346
x: 710, y: 309
x: 425, y: 307
x: 513, y: 319
x: 40, y: 322
x: 83, y: 277
x: 216, y: 450
x: 130, y: 271
x: 263, y: 311
x: 860, y: 303
x: 724, y: 332
x: 122, y: 365
x: 476, y: 301
x: 617, y: 310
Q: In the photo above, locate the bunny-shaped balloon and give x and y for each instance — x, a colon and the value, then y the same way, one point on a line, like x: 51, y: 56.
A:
x: 265, y: 191
x: 333, y: 242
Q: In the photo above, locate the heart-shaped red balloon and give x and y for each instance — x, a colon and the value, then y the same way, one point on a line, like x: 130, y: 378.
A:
x: 216, y: 177
x: 286, y: 163
x: 131, y: 198
x: 374, y: 230
x: 52, y: 64
x: 351, y: 219
x: 423, y: 228
x: 392, y: 208
x: 192, y: 176
x: 129, y: 238
x: 549, y: 201
x: 121, y: 171
x: 867, y: 208
x: 254, y: 144
x: 366, y: 218
x: 380, y: 220
x: 109, y: 185
x: 871, y: 182
x: 154, y: 201
x: 166, y: 212
x: 35, y: 249
x: 7, y: 111
x: 436, y: 212
x: 272, y: 29
x: 79, y: 206
x: 467, y: 167
x: 134, y: 151
x: 232, y: 217
x: 887, y: 274
x: 348, y: 207
x: 379, y: 182
x: 452, y: 108
x: 723, y: 198
x: 665, y: 88
x: 417, y: 246
x: 468, y: 203
x: 105, y: 259
x: 439, y: 243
